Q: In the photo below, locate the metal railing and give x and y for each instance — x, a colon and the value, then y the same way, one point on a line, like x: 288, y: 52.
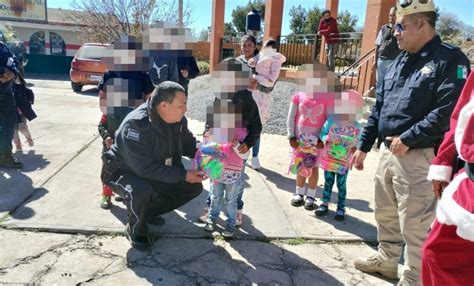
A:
x: 305, y: 48
x: 351, y: 77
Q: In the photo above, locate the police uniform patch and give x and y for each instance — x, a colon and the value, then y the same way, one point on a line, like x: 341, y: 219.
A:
x: 428, y: 70
x: 462, y: 72
x: 10, y: 62
x: 133, y: 134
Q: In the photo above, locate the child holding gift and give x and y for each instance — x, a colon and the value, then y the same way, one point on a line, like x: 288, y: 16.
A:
x: 340, y: 134
x: 306, y: 117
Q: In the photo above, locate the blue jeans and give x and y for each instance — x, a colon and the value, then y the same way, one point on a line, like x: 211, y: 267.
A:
x: 382, y: 67
x: 240, y: 187
x: 341, y: 188
x: 223, y: 194
x: 256, y: 148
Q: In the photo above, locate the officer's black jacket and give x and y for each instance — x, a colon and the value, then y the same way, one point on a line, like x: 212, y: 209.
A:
x: 419, y: 93
x: 144, y: 142
x: 7, y: 61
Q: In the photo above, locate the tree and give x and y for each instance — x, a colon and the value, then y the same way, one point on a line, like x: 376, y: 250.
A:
x: 346, y: 22
x: 449, y: 26
x: 229, y: 30
x: 312, y: 23
x: 106, y: 20
x: 239, y: 14
x: 298, y: 16
x: 306, y: 21
x: 203, y: 35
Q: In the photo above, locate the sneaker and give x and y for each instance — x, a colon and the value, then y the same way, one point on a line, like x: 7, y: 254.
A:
x: 255, y: 163
x: 18, y: 148
x: 138, y: 242
x: 376, y: 264
x: 156, y: 220
x: 228, y: 231
x: 339, y: 215
x: 322, y: 210
x: 204, y: 215
x: 10, y: 162
x: 239, y: 218
x: 105, y: 203
x: 31, y: 143
x: 297, y: 200
x: 210, y: 226
x: 309, y: 204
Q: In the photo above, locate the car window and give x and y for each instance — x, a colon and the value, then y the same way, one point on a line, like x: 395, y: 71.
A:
x: 91, y: 52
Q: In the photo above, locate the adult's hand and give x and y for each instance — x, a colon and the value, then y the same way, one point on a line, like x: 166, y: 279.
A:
x: 108, y: 142
x: 397, y: 147
x: 243, y: 148
x: 293, y: 143
x: 357, y: 160
x: 194, y: 177
x: 438, y: 188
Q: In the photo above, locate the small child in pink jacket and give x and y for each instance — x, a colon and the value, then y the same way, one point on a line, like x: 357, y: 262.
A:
x: 267, y: 64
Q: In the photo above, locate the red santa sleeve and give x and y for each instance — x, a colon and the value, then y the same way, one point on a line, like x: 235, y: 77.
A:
x: 442, y: 165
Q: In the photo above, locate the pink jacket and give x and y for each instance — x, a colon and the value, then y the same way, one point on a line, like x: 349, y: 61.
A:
x: 267, y: 65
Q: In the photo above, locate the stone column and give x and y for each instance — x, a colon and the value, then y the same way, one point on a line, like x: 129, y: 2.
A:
x: 375, y: 16
x: 273, y: 19
x: 217, y: 32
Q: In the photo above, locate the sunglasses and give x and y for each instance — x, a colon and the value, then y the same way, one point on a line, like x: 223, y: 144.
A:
x: 399, y: 27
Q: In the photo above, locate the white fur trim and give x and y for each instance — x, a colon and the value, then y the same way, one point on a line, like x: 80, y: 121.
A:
x: 449, y: 212
x: 464, y: 116
x: 440, y: 173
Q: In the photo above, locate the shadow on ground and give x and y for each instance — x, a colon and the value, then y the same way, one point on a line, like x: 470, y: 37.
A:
x: 215, y: 262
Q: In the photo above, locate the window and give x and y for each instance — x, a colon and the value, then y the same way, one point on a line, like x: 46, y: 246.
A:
x: 58, y: 46
x: 37, y: 44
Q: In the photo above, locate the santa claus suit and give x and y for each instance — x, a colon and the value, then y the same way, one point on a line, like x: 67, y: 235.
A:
x: 448, y: 253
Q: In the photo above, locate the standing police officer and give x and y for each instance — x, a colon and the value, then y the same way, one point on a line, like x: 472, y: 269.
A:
x: 8, y: 73
x: 411, y: 113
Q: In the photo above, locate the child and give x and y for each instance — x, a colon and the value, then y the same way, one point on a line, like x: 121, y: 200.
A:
x: 340, y: 135
x: 107, y: 133
x: 125, y: 85
x: 267, y: 64
x: 306, y: 117
x: 237, y: 111
x: 24, y: 98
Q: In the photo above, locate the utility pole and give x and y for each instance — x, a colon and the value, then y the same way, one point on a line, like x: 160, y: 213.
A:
x: 180, y: 13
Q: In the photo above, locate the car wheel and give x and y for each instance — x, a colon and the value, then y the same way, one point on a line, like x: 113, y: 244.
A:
x: 76, y: 87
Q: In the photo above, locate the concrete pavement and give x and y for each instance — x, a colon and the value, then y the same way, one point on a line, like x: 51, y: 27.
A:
x: 61, y: 186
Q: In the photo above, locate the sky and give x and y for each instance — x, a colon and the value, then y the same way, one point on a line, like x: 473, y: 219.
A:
x: 202, y: 11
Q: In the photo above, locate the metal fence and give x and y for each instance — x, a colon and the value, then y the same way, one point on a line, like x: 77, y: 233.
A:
x: 305, y: 48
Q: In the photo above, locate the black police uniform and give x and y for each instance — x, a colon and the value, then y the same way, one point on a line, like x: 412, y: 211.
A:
x: 7, y: 108
x: 144, y: 167
x: 419, y: 93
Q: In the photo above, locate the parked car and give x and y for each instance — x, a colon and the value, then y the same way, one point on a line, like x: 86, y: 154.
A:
x: 87, y: 67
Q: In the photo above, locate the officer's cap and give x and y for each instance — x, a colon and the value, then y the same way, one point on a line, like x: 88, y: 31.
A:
x: 408, y: 7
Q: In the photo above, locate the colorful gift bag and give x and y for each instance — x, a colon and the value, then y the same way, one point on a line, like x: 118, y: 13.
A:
x: 336, y: 155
